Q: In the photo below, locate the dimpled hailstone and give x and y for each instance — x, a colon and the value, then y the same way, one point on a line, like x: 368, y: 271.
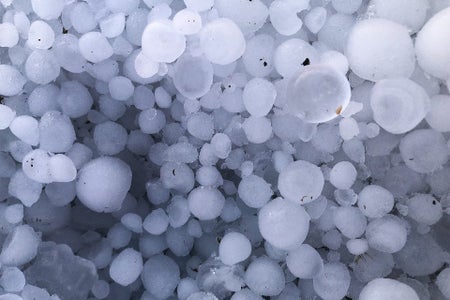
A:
x: 103, y: 184
x: 193, y: 76
x: 12, y: 81
x: 375, y: 201
x: 283, y: 223
x: 234, y: 248
x: 386, y: 288
x: 265, y: 277
x: 304, y: 262
x: 379, y: 48
x: 333, y: 282
x: 424, y: 209
x: 301, y: 182
x: 318, y: 94
x: 160, y: 276
x: 387, y: 234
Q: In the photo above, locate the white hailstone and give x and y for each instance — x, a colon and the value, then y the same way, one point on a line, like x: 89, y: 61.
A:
x: 257, y: 129
x: 151, y: 121
x: 60, y: 193
x: 74, y: 99
x: 387, y: 234
x: 348, y: 128
x: 26, y: 129
x: 350, y: 221
x: 7, y: 115
x: 121, y: 88
x: 62, y: 168
x: 443, y: 282
x: 118, y: 236
x: 437, y: 115
x: 67, y: 53
x: 193, y: 76
x: 161, y: 42
x: 56, y: 132
x: 126, y: 267
x: 343, y: 175
x: 259, y: 96
x: 132, y: 222
x: 186, y: 287
x: 265, y: 277
x: 386, y: 288
x: 245, y: 294
x: 103, y: 183
x: 40, y: 35
x: 9, y: 36
x: 202, y: 296
x: 379, y: 48
x: 315, y: 19
x: 258, y: 55
x: 12, y: 280
x: 335, y: 59
x: 209, y: 176
x: 248, y: 15
x: 357, y: 246
x: 304, y: 262
x: 234, y: 248
x: 254, y: 191
x: 12, y: 81
x: 424, y: 208
x: 424, y: 150
x: 94, y: 47
x: 20, y: 246
x: 100, y: 289
x: 201, y: 126
x: 333, y: 282
x: 35, y: 165
x: 43, y: 99
x: 144, y: 66
x: 301, y: 182
x: 284, y: 18
x: 181, y: 153
x: 112, y: 25
x: 187, y: 21
x: 283, y: 223
x: 199, y: 5
x: 110, y: 138
x: 162, y: 98
x: 345, y: 6
x: 156, y: 222
x: 42, y: 66
x: 294, y: 50
x: 375, y: 201
x: 432, y: 55
x: 25, y: 189
x: 177, y: 176
x: 82, y: 18
x: 222, y: 41
x: 48, y: 9
x: 221, y: 144
x: 14, y: 213
x: 161, y: 276
x: 126, y: 6
x: 206, y: 203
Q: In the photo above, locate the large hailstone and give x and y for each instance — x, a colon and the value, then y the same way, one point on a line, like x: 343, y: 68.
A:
x: 386, y: 288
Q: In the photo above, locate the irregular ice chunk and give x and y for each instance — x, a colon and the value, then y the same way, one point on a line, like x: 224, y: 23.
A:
x: 12, y: 81
x: 265, y: 277
x: 304, y: 262
x: 160, y: 276
x: 20, y: 247
x: 126, y: 267
x: 234, y: 248
x: 386, y: 288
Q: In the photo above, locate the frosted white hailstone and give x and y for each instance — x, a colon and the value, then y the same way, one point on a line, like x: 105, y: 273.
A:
x: 9, y: 36
x: 348, y: 128
x: 145, y: 67
x: 201, y: 126
x: 259, y: 96
x: 265, y: 277
x: 14, y: 213
x: 202, y: 296
x: 103, y: 183
x: 94, y: 47
x: 254, y: 191
x: 283, y: 223
x: 318, y: 94
x: 121, y: 88
x: 437, y: 116
x: 110, y: 138
x: 20, y: 247
x: 48, y: 9
x: 177, y: 176
x: 100, y: 289
x: 161, y: 42
x: 35, y: 165
x: 304, y: 262
x: 12, y: 81
x: 357, y: 246
x: 343, y: 175
x: 350, y: 221
x: 25, y: 189
x: 206, y: 203
x: 432, y: 55
x: 74, y: 99
x: 193, y: 76
x: 199, y: 5
x: 124, y: 6
x: 221, y: 144
x: 375, y: 201
x: 398, y: 104
x: 333, y: 282
x: 160, y: 276
x: 424, y: 150
x: 245, y: 294
x: 112, y: 25
x: 345, y: 6
x: 126, y: 267
x: 424, y: 208
x: 315, y: 19
x: 294, y: 50
x: 62, y: 168
x: 42, y: 66
x: 222, y: 41
x: 56, y: 132
x: 187, y: 21
x: 151, y: 121
x: 443, y: 282
x: 284, y: 18
x: 156, y: 222
x: 234, y: 248
x: 82, y: 17
x: 301, y: 182
x: 43, y: 99
x: 258, y: 55
x: 40, y: 35
x: 379, y: 48
x: 387, y: 234
x: 386, y: 288
x: 257, y: 129
x: 68, y: 54
x: 248, y: 15
x: 12, y: 279
x: 7, y: 115
x: 26, y: 128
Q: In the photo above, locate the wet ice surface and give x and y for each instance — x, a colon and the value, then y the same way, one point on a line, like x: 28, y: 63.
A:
x: 224, y: 149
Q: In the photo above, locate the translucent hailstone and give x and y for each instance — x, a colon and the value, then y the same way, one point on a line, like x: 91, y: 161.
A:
x: 257, y: 129
x: 161, y: 42
x: 222, y: 41
x: 126, y: 267
x: 379, y: 48
x: 193, y: 76
x: 432, y: 55
x: 443, y: 282
x: 7, y: 115
x: 234, y: 248
x: 43, y: 99
x: 74, y: 99
x: 386, y: 288
x: 424, y: 150
x: 387, y: 234
x: 40, y: 35
x: 284, y: 18
x: 187, y: 21
x: 294, y: 50
x: 259, y: 96
x: 350, y: 221
x: 265, y: 277
x: 304, y: 262
x: 424, y: 208
x: 254, y: 191
x: 248, y: 15
x: 9, y: 36
x: 315, y: 19
x: 334, y: 33
x: 48, y: 9
x: 82, y: 17
x: 160, y: 276
x: 283, y: 223
x: 343, y: 175
x: 375, y: 201
x: 121, y: 88
x: 201, y: 126
x: 14, y: 213
x: 103, y: 184
x: 333, y: 282
x: 156, y: 222
x: 221, y: 144
x: 12, y: 81
x: 301, y: 182
x: 42, y: 67
x: 437, y: 115
x: 151, y: 121
x: 26, y: 128
x: 94, y: 47
x: 206, y: 203
x: 126, y: 6
x: 398, y: 104
x: 318, y: 94
x: 36, y: 166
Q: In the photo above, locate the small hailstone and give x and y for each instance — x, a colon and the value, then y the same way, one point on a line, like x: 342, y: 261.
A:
x: 48, y: 9
x: 258, y: 55
x: 284, y: 18
x: 357, y: 246
x: 443, y: 282
x: 118, y: 236
x: 26, y: 128
x: 221, y: 144
x: 14, y: 213
x: 193, y: 76
x: 112, y: 25
x: 187, y: 21
x: 386, y: 288
x: 56, y: 132
x: 375, y: 201
x: 36, y: 165
x: 206, y: 203
x: 345, y: 197
x: 94, y: 47
x: 178, y: 211
x: 162, y: 98
x: 151, y: 121
x: 7, y: 115
x: 82, y: 17
x: 60, y: 193
x: 121, y: 88
x: 43, y: 99
x: 110, y: 138
x: 265, y: 277
x: 12, y: 81
x: 177, y: 176
x: 20, y: 247
x: 424, y: 209
x: 350, y: 221
x: 126, y: 267
x: 345, y: 6
x: 248, y: 15
x: 42, y: 66
x: 259, y: 96
x: 348, y: 128
x: 145, y: 67
x: 333, y: 282
x: 257, y: 129
x: 12, y: 280
x: 79, y: 154
x: 40, y: 35
x: 9, y: 36
x: 304, y: 262
x: 343, y: 175
x: 122, y: 6
x: 437, y: 115
x: 161, y: 276
x: 387, y: 234
x: 315, y: 19
x: 234, y: 248
x: 201, y: 126
x: 202, y: 296
x: 294, y: 50
x: 156, y: 222
x: 254, y: 191
x: 67, y: 53
x: 100, y: 289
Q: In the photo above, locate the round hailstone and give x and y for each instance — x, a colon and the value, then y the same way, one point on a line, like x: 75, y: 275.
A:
x: 193, y: 76
x: 187, y: 21
x: 424, y: 150
x: 437, y: 116
x: 126, y: 267
x: 21, y: 246
x: 12, y: 280
x: 103, y: 184
x: 254, y: 191
x: 26, y: 128
x: 379, y: 48
x: 301, y: 182
x: 94, y: 47
x: 202, y: 296
x: 74, y: 99
x: 283, y: 224
x: 398, y: 104
x: 343, y: 175
x: 35, y: 165
x: 121, y: 88
x: 424, y: 209
x: 42, y: 66
x: 40, y: 35
x: 9, y: 36
x: 199, y: 5
x: 160, y: 275
x: 258, y: 55
x: 259, y: 96
x: 222, y: 41
x: 48, y: 9
x: 350, y: 221
x: 443, y: 282
x: 387, y: 234
x: 201, y: 126
x: 206, y: 203
x: 375, y: 201
x: 161, y: 42
x: 112, y: 25
x: 284, y: 18
x: 234, y: 248
x: 151, y: 121
x: 257, y: 129
x: 12, y: 81
x: 56, y: 132
x: 7, y: 115
x: 357, y: 246
x: 265, y: 277
x: 333, y: 282
x: 386, y: 288
x: 318, y: 94
x: 62, y: 168
x: 346, y: 6
x: 432, y: 54
x: 304, y: 262
x: 315, y: 19
x: 144, y: 66
x: 294, y: 50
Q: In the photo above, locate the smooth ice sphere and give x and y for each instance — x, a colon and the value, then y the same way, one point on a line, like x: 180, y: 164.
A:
x: 259, y: 96
x: 120, y: 88
x: 318, y: 94
x: 110, y: 138
x: 48, y: 9
x: 103, y: 184
x: 12, y: 280
x: 443, y: 282
x: 132, y: 222
x: 379, y: 48
x: 315, y: 19
x: 294, y: 50
x: 9, y: 36
x: 265, y: 277
x: 74, y: 99
x: 35, y: 165
x: 343, y: 175
x: 112, y: 25
x: 375, y: 201
x: 20, y: 246
x: 398, y: 104
x: 40, y: 35
x: 151, y: 121
x: 94, y: 47
x: 161, y: 42
x: 257, y: 129
x: 301, y: 182
x: 201, y: 126
x: 424, y: 208
x: 333, y: 282
x: 126, y: 267
x: 386, y: 288
x: 284, y: 18
x: 62, y: 168
x: 144, y: 66
x: 437, y: 116
x: 234, y: 248
x: 193, y: 76
x: 160, y: 276
x: 350, y: 221
x: 387, y: 234
x: 187, y: 21
x: 424, y: 150
x: 24, y: 188
x: 357, y: 246
x: 254, y: 191
x: 304, y: 262
x: 283, y: 223
x: 42, y: 66
x: 206, y: 203
x: 26, y: 128
x: 156, y: 222
x: 222, y: 41
x: 56, y: 132
x: 14, y: 213
x: 7, y: 115
x: 12, y: 81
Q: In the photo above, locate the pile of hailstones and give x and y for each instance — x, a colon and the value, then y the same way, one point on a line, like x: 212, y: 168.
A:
x: 227, y: 149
